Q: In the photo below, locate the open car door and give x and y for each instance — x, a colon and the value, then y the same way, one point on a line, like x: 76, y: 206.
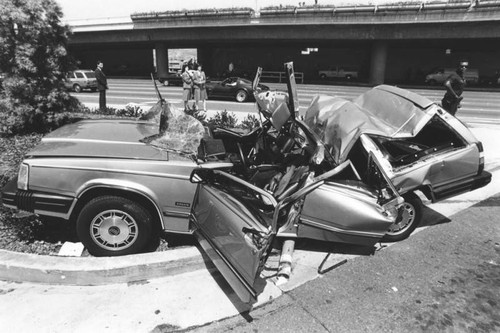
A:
x: 233, y: 222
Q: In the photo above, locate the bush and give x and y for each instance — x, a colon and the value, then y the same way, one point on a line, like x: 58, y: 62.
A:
x: 223, y: 119
x: 250, y: 122
x: 33, y: 63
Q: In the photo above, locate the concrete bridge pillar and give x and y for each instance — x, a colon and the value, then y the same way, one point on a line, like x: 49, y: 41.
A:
x: 161, y: 52
x: 205, y: 57
x: 378, y: 62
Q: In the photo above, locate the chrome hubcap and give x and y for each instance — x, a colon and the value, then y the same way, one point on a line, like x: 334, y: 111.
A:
x: 406, y: 216
x: 240, y: 96
x: 114, y: 230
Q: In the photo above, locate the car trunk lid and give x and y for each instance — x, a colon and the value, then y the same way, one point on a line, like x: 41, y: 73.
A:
x: 102, y: 138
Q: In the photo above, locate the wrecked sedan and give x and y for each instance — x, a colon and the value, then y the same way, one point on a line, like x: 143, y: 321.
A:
x: 124, y: 181
x: 421, y: 147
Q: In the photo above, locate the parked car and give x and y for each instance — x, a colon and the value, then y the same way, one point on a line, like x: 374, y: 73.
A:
x: 493, y: 79
x: 236, y: 88
x: 81, y: 79
x: 339, y: 72
x: 439, y: 75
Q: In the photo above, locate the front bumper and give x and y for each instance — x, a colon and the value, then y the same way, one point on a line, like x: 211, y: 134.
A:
x: 36, y: 202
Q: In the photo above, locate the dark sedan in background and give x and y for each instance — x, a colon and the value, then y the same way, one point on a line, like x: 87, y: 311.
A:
x: 233, y: 88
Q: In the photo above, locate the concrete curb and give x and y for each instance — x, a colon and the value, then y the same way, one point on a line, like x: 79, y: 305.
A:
x: 92, y: 271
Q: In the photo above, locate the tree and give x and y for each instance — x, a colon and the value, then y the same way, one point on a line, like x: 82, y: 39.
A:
x: 33, y: 62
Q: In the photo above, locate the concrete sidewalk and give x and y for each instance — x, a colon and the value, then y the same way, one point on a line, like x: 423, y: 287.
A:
x: 171, y: 290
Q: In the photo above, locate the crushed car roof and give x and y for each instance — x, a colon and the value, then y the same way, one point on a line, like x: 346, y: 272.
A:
x: 384, y: 110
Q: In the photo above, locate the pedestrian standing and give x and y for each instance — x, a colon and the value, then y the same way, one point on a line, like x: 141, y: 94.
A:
x: 196, y: 87
x: 187, y: 85
x: 454, y: 85
x: 203, y: 90
x: 102, y: 85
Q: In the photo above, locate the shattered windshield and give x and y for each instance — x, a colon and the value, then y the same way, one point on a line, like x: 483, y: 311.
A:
x: 177, y: 131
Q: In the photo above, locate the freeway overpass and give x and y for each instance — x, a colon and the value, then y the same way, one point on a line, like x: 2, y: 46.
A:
x: 395, y: 43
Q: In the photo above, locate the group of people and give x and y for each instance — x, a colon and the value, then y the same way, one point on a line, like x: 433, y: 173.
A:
x: 193, y: 84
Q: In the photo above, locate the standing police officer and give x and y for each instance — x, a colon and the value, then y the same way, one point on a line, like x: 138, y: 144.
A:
x: 454, y: 85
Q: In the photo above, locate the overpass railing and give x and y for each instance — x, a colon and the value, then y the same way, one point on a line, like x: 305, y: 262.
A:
x: 281, y: 77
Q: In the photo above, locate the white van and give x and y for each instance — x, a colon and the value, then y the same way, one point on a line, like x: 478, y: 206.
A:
x: 439, y: 75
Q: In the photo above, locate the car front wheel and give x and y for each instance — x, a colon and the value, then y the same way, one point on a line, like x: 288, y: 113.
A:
x: 409, y: 216
x: 113, y: 226
x: 241, y: 96
x: 77, y: 88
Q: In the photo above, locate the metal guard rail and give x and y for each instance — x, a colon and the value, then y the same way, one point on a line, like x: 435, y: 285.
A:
x: 281, y: 76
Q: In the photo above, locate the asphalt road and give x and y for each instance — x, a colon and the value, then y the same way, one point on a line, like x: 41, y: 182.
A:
x: 443, y: 279
x: 478, y: 107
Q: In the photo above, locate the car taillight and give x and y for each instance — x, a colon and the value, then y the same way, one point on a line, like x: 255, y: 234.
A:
x: 479, y: 145
x: 23, y: 177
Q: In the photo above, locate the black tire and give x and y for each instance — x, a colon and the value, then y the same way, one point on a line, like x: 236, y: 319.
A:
x: 77, y: 88
x: 322, y: 76
x: 409, y: 217
x: 114, y: 226
x: 241, y: 96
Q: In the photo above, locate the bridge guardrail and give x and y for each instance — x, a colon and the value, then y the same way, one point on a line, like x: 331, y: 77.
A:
x: 280, y: 77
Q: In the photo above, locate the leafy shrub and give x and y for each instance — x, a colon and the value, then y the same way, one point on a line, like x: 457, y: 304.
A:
x: 33, y: 63
x: 223, y: 119
x: 250, y: 122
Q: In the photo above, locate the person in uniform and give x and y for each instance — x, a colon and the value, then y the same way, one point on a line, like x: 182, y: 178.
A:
x: 454, y: 85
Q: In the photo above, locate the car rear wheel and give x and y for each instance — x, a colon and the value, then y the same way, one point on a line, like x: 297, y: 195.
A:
x: 409, y: 216
x: 77, y: 88
x: 241, y: 96
x: 113, y: 226
x: 322, y: 76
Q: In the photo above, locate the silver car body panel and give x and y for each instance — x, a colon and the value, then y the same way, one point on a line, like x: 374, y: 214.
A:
x: 396, y: 114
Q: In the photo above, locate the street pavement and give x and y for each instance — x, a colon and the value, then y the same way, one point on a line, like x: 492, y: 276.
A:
x: 446, y: 271
x: 443, y: 279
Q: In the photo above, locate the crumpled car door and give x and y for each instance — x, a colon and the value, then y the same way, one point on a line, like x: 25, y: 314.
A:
x: 233, y: 222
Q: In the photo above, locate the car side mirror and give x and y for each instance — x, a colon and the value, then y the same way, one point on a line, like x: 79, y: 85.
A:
x: 199, y: 176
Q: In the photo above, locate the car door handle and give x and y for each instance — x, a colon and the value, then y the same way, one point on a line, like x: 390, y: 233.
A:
x: 258, y: 238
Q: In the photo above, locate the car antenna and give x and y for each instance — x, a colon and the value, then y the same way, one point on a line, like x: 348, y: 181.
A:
x: 162, y: 101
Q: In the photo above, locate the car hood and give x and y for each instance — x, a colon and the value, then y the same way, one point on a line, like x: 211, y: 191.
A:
x: 384, y: 110
x: 101, y: 138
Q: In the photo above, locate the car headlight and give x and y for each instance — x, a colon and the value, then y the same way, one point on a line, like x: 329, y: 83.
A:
x: 23, y: 176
